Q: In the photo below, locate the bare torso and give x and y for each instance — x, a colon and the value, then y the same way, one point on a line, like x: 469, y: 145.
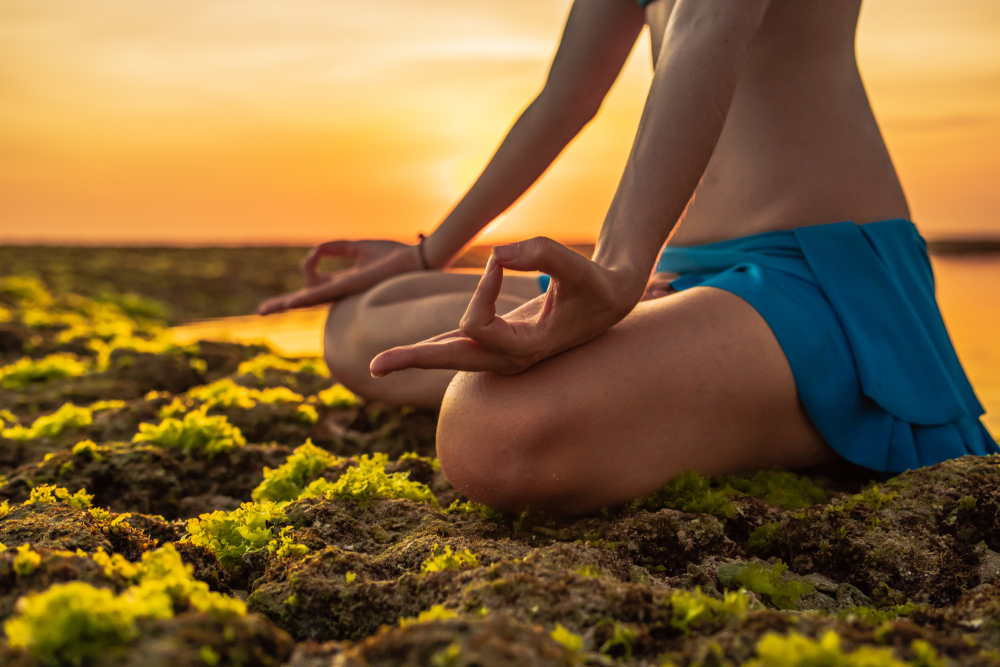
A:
x: 800, y: 145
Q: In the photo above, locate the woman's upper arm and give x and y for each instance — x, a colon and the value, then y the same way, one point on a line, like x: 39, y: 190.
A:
x: 596, y: 41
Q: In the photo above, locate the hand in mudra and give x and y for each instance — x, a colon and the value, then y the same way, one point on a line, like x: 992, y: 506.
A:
x: 374, y: 261
x: 584, y: 299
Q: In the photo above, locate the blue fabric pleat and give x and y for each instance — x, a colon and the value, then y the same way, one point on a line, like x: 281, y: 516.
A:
x: 854, y: 311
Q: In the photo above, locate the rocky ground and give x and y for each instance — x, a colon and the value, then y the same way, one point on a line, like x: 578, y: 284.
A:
x: 219, y: 505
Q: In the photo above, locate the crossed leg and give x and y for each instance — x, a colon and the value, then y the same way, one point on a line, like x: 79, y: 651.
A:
x: 693, y: 381
x: 404, y: 310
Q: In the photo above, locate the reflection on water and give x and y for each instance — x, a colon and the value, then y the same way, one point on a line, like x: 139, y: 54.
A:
x: 968, y: 291
x: 298, y: 333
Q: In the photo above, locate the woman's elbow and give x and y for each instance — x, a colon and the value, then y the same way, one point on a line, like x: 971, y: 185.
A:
x: 572, y: 106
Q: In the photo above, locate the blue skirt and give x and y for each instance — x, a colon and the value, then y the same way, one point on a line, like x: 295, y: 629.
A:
x: 853, y: 308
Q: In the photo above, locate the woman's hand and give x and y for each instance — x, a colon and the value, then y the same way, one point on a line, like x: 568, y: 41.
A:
x: 374, y: 261
x: 584, y: 299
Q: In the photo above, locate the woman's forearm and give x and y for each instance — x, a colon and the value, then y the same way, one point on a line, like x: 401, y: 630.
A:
x: 532, y: 144
x: 688, y: 101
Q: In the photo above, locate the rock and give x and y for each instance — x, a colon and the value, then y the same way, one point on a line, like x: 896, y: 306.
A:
x: 498, y: 640
x: 989, y: 567
x: 821, y: 583
x: 850, y: 596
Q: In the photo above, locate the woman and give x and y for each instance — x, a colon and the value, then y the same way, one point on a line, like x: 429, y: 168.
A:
x: 789, y: 321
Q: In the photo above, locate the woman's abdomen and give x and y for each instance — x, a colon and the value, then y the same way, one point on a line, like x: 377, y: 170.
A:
x: 800, y: 147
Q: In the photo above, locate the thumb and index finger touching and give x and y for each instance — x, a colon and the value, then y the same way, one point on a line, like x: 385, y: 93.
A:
x: 310, y: 262
x: 319, y: 291
x: 543, y: 254
x: 481, y: 322
x: 485, y: 341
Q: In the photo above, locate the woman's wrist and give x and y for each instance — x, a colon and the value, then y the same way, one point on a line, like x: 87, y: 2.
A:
x: 628, y: 266
x: 438, y: 249
x: 422, y: 254
x: 628, y: 286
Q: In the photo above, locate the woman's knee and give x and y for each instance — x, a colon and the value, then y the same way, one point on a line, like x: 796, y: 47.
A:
x: 356, y: 331
x: 496, y: 447
x: 340, y: 349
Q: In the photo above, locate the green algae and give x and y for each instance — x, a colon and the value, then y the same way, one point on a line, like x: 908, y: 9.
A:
x: 485, y: 511
x: 307, y: 414
x: 26, y: 561
x: 777, y: 487
x: 443, y: 559
x: 689, y: 492
x: 435, y: 613
x: 49, y: 493
x: 67, y: 417
x: 872, y: 498
x: 763, y: 537
x: 223, y: 393
x: 285, y: 546
x: 26, y: 371
x: 795, y: 650
x: 337, y: 396
x: 369, y: 481
x: 73, y: 622
x: 230, y: 535
x: 226, y: 394
x: 260, y: 364
x: 620, y: 643
x: 24, y: 290
x: 878, y: 617
x: 691, y: 609
x: 568, y: 639
x: 287, y: 482
x: 196, y: 432
x: 766, y: 580
x: 233, y: 534
x: 89, y: 450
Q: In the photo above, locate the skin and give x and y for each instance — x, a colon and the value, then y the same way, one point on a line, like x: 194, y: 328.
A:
x: 608, y: 385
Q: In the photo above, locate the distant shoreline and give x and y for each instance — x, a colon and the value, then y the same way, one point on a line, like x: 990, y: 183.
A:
x: 948, y: 247
x: 476, y: 255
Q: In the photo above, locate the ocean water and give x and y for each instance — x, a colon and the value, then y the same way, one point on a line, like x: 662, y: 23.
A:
x: 968, y: 289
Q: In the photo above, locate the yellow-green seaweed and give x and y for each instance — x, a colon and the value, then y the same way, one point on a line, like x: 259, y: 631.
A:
x: 196, y: 432
x: 288, y: 481
x: 50, y: 493
x: 795, y: 650
x: 445, y: 559
x: 51, y: 426
x: 70, y: 623
x: 26, y: 371
x: 369, y: 481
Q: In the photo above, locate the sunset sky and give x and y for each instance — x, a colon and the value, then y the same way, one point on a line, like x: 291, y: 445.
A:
x: 258, y: 121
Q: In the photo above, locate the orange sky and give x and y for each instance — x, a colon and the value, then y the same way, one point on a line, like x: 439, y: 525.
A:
x: 259, y: 121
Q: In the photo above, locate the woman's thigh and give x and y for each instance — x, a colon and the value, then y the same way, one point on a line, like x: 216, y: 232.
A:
x: 402, y: 311
x: 695, y: 380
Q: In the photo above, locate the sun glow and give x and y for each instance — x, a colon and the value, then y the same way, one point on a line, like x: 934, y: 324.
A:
x: 250, y: 121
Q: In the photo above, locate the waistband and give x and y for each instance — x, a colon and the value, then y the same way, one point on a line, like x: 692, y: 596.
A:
x: 878, y: 280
